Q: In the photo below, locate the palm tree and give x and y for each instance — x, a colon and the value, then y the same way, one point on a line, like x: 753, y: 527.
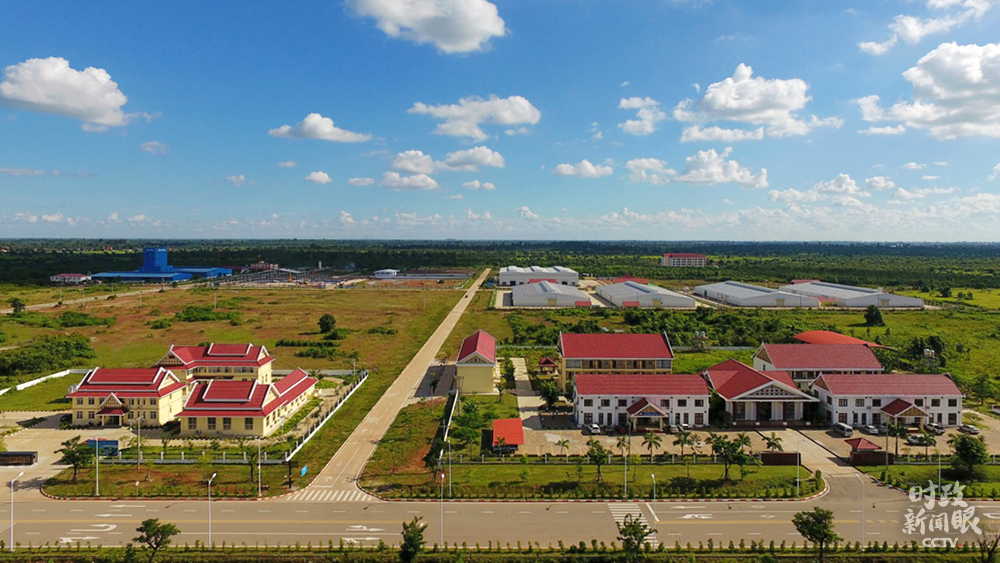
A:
x: 501, y: 442
x: 652, y: 441
x: 685, y: 438
x: 564, y: 446
x: 742, y: 440
x: 624, y: 444
x: 897, y: 431
x: 929, y: 440
x: 773, y: 442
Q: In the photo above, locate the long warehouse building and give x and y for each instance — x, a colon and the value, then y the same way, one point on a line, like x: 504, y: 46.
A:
x: 516, y: 275
x: 547, y: 294
x: 632, y: 294
x: 745, y: 295
x: 851, y: 296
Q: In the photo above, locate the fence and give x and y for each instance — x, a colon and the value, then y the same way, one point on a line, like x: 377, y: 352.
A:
x: 449, y: 413
x: 26, y: 384
x: 312, y: 432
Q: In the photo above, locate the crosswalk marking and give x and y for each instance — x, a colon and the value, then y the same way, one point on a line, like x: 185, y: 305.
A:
x: 319, y: 494
x: 621, y: 509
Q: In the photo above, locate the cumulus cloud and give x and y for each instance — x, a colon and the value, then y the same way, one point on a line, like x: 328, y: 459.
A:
x: 113, y: 218
x: 25, y: 217
x: 931, y: 178
x: 912, y: 29
x: 53, y: 218
x: 477, y: 185
x: 413, y: 161
x: 913, y: 166
x: 361, y: 181
x: 584, y: 169
x: 154, y: 147
x: 236, y: 179
x: 842, y: 189
x: 315, y: 126
x: 51, y: 86
x: 742, y: 98
x: 891, y: 130
x: 394, y: 181
x: 485, y: 216
x: 955, y: 92
x: 716, y: 133
x: 647, y: 117
x: 288, y: 164
x: 470, y: 160
x: 465, y: 118
x: 318, y: 178
x: 652, y: 170
x: 525, y: 212
x: 879, y: 183
x: 996, y: 173
x: 345, y: 218
x: 452, y: 26
x: 711, y: 167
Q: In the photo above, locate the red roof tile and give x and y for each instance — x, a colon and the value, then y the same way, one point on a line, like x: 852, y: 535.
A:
x: 221, y: 355
x: 684, y: 255
x: 112, y: 411
x: 615, y: 346
x: 830, y: 337
x: 228, y: 391
x: 732, y: 378
x: 480, y: 342
x: 900, y: 406
x: 639, y: 384
x: 510, y: 429
x: 892, y: 384
x: 135, y: 383
x: 819, y: 357
x: 222, y: 397
x: 547, y: 362
x: 862, y: 445
x: 543, y: 279
x: 641, y: 404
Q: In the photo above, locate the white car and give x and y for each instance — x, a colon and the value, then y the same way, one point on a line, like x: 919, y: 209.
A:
x: 968, y: 429
x: 593, y: 429
x: 870, y: 429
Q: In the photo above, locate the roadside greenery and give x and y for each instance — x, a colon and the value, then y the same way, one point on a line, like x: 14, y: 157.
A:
x: 47, y: 353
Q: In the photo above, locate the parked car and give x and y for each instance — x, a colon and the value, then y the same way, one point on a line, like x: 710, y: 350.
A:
x: 916, y: 440
x: 673, y: 428
x: 935, y: 428
x: 685, y: 427
x: 593, y: 429
x: 870, y: 429
x: 968, y: 429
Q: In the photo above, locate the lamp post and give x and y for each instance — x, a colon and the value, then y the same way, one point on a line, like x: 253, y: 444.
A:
x: 449, y: 467
x: 212, y: 478
x: 12, y: 510
x: 442, y: 510
x: 862, y: 481
x: 798, y: 464
x: 97, y: 467
x: 258, y: 468
x: 653, y: 475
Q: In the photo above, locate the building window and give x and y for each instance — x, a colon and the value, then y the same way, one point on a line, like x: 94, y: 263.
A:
x: 227, y: 423
x: 699, y: 402
x: 876, y: 402
x: 79, y: 415
x: 919, y: 402
x: 192, y: 423
x: 682, y: 403
x: 152, y: 402
x: 952, y: 402
x: 588, y: 402
x: 90, y: 400
x: 665, y: 403
x: 605, y: 402
x: 841, y: 402
x: 90, y: 415
x: 79, y: 400
x: 211, y: 423
x: 152, y: 414
x: 829, y: 400
x: 248, y: 423
x: 935, y: 402
x: 622, y: 403
x: 859, y: 402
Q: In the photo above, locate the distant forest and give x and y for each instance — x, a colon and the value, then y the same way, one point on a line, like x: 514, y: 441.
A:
x: 929, y: 265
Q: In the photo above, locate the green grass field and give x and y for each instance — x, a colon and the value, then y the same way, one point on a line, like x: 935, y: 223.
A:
x: 985, y: 298
x: 46, y: 396
x: 986, y: 482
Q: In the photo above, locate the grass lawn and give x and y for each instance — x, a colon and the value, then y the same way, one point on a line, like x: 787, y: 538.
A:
x: 985, y: 298
x: 986, y: 482
x: 694, y: 362
x: 46, y: 396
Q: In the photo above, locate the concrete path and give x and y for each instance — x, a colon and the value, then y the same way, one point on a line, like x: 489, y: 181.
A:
x: 815, y: 456
x: 528, y: 402
x: 343, y: 470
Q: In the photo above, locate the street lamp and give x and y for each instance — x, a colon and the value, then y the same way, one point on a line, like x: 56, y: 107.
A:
x: 442, y: 509
x: 258, y: 468
x: 798, y: 464
x: 12, y: 510
x: 862, y: 481
x: 97, y: 467
x: 210, y: 509
x: 653, y: 475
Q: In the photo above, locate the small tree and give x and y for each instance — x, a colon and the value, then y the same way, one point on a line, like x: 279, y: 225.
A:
x: 413, y: 539
x: 773, y: 443
x: 897, y: 431
x: 651, y: 441
x: 624, y: 445
x: 816, y: 525
x: 500, y: 387
x: 17, y: 306
x: 970, y: 451
x: 983, y: 387
x: 564, y: 446
x: 327, y: 323
x: 987, y: 541
x: 155, y: 535
x: 549, y: 392
x: 929, y: 440
x: 685, y: 438
x: 598, y: 455
x: 633, y: 533
x: 76, y: 454
x: 873, y: 316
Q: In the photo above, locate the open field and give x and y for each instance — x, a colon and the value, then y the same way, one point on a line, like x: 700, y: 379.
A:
x: 985, y: 298
x: 46, y: 396
x: 986, y: 484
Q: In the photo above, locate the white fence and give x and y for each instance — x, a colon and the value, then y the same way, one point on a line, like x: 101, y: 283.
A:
x: 63, y: 373
x: 298, y: 446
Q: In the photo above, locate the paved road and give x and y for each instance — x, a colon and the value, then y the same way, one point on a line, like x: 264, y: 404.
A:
x: 338, y: 480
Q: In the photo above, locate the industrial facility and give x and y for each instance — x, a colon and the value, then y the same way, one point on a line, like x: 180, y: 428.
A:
x: 516, y: 275
x: 155, y: 269
x: 745, y: 295
x: 548, y: 294
x: 632, y: 294
x: 850, y: 296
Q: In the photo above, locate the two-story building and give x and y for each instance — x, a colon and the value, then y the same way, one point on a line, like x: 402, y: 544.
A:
x: 910, y: 399
x: 476, y: 368
x: 805, y: 362
x: 219, y: 361
x: 758, y: 398
x: 642, y: 401
x: 613, y: 353
x: 118, y: 397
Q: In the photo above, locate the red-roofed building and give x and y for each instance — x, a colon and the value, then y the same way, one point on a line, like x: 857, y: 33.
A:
x: 613, y: 353
x: 547, y: 365
x: 476, y: 368
x: 862, y: 445
x: 231, y: 407
x: 70, y: 279
x: 684, y: 260
x: 220, y: 361
x: 116, y: 397
x: 805, y: 362
x: 642, y: 399
x: 902, y: 398
x: 758, y: 398
x: 508, y: 434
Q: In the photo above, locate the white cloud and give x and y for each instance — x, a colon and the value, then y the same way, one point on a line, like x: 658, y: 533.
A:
x: 361, y: 181
x: 931, y: 178
x: 318, y: 178
x: 470, y: 160
x: 25, y: 217
x: 879, y: 183
x: 453, y: 26
x: 154, y: 147
x: 940, y: 163
x: 142, y: 219
x: 477, y: 185
x: 288, y: 164
x: 51, y: 86
x: 652, y: 170
x: 525, y: 212
x: 710, y: 167
x: 891, y: 130
x: 113, y: 218
x: 413, y: 161
x: 716, y: 133
x: 996, y: 173
x: 465, y: 118
x: 585, y: 169
x: 876, y: 47
x: 842, y: 190
x: 485, y: 216
x: 455, y: 196
x: 315, y: 126
x: 236, y: 179
x: 648, y: 116
x: 912, y: 29
x: 345, y: 218
x: 743, y: 98
x: 394, y: 181
x: 913, y: 166
x: 54, y: 218
x: 955, y: 93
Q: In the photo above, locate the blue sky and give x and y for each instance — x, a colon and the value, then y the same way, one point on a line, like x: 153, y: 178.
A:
x: 561, y: 119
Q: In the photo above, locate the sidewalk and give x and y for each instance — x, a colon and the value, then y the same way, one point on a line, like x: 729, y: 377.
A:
x: 528, y: 402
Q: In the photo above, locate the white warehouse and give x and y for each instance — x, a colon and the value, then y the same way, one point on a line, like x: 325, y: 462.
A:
x: 745, y: 295
x: 516, y: 275
x: 850, y: 296
x: 632, y: 294
x: 547, y: 294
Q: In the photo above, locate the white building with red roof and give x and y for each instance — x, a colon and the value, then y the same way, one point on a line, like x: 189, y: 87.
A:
x: 476, y: 368
x: 901, y: 398
x: 613, y: 353
x: 758, y: 398
x: 115, y: 397
x: 805, y: 362
x: 220, y: 361
x: 684, y: 260
x: 643, y: 400
x: 70, y: 279
x: 240, y: 407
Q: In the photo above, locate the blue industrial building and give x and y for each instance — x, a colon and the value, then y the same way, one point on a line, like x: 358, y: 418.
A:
x: 155, y: 269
